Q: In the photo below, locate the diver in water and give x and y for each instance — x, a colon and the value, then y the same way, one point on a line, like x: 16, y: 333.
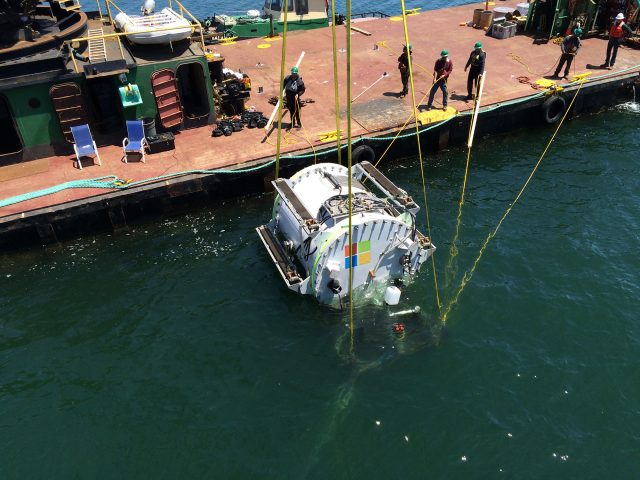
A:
x: 294, y: 88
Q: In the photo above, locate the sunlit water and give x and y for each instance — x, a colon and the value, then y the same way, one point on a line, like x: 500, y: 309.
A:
x: 174, y: 350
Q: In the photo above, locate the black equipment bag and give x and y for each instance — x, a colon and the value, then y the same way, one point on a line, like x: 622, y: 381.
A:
x: 161, y: 142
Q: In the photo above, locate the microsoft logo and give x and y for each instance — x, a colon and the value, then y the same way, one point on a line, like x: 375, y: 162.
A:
x: 358, y: 254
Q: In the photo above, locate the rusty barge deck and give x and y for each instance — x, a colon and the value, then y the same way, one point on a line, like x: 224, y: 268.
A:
x: 378, y: 114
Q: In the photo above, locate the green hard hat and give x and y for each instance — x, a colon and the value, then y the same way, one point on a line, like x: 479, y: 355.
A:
x: 294, y: 70
x: 444, y: 53
x: 409, y: 46
x: 478, y: 45
x: 577, y: 32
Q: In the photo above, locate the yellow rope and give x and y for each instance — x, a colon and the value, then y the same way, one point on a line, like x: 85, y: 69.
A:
x: 453, y: 250
x: 415, y: 115
x: 280, y: 94
x: 467, y: 276
x: 349, y: 160
x: 393, y: 52
x: 335, y: 79
x: 404, y: 125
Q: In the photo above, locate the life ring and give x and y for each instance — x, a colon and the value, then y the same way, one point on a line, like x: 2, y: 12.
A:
x: 363, y: 153
x: 553, y: 108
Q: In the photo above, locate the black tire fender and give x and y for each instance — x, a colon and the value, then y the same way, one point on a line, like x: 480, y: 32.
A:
x: 553, y: 108
x: 363, y: 153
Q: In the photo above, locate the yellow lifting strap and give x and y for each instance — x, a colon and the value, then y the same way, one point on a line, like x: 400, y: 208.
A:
x: 467, y: 276
x: 283, y: 58
x: 417, y: 128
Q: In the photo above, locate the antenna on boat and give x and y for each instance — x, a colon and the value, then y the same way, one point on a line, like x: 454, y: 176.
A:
x: 148, y: 7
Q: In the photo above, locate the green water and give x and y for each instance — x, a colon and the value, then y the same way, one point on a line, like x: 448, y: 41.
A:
x: 175, y: 351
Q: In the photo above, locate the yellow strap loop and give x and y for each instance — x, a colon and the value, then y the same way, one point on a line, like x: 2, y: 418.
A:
x: 453, y: 250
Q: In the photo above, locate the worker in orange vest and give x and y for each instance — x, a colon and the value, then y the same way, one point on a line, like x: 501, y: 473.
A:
x: 616, y: 35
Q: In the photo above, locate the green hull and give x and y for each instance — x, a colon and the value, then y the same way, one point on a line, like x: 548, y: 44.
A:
x: 262, y: 28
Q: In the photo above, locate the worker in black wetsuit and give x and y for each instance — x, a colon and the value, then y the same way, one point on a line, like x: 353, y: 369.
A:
x: 476, y: 62
x: 403, y: 66
x: 293, y: 89
x: 569, y: 47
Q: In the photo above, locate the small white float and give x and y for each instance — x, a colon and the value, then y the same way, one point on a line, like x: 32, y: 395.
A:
x: 163, y: 27
x: 307, y: 238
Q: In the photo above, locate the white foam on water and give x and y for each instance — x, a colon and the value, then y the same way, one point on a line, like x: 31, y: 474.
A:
x: 632, y: 107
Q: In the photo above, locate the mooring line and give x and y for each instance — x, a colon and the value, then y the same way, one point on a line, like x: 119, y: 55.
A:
x: 467, y: 276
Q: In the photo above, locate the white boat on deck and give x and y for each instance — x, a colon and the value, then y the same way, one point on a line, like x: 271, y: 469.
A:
x: 165, y: 26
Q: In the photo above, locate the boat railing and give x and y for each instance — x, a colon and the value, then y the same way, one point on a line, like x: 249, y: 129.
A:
x: 374, y: 14
x: 183, y: 10
x: 110, y: 36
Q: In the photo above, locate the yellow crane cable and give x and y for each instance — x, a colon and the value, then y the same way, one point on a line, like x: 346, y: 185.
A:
x: 453, y: 250
x: 335, y: 79
x: 415, y: 115
x: 349, y: 160
x: 281, y: 93
x: 467, y: 276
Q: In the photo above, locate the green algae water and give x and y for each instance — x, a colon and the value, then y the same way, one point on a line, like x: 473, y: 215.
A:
x: 174, y: 350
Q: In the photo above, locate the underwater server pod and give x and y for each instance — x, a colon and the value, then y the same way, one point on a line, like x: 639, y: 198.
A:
x: 307, y: 238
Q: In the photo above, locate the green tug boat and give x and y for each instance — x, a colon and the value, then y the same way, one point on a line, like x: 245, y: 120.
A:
x: 302, y: 15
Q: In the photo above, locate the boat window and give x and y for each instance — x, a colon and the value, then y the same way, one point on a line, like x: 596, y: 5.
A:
x: 302, y: 7
x: 277, y: 5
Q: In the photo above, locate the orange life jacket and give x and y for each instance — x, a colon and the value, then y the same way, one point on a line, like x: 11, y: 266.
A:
x: 616, y: 30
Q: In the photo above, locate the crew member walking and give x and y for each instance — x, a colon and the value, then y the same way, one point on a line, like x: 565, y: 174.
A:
x: 403, y: 66
x: 293, y: 89
x: 441, y: 71
x: 569, y: 46
x: 476, y: 62
x: 616, y: 35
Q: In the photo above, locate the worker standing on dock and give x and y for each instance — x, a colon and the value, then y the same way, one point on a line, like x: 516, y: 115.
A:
x: 441, y: 71
x: 403, y: 66
x: 616, y: 35
x: 569, y: 46
x: 476, y: 62
x: 293, y: 88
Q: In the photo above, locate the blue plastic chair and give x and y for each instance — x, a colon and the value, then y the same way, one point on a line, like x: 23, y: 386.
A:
x: 84, y: 144
x: 135, y: 141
